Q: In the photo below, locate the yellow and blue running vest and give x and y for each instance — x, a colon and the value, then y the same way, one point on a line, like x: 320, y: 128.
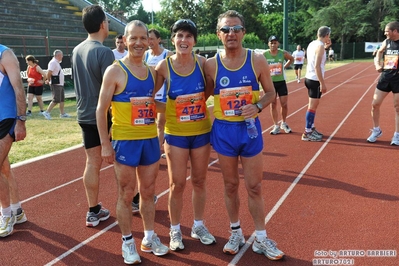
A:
x: 133, y: 109
x: 234, y: 88
x: 186, y: 110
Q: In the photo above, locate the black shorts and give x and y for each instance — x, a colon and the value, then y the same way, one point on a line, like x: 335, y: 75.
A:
x: 313, y: 88
x: 36, y: 90
x: 298, y: 66
x: 7, y: 127
x: 90, y: 135
x: 281, y: 88
x: 388, y: 86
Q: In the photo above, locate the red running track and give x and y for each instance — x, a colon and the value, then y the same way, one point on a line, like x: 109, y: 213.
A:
x: 339, y: 195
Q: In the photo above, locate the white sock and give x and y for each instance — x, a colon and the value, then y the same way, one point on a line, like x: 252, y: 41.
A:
x: 6, y: 211
x: 148, y: 234
x: 15, y: 207
x: 396, y: 135
x: 175, y: 227
x: 377, y: 128
x: 260, y: 234
x: 198, y: 223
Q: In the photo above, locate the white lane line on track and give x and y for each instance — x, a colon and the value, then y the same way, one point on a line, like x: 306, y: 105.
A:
x: 275, y: 208
x: 65, y: 254
x: 109, y: 227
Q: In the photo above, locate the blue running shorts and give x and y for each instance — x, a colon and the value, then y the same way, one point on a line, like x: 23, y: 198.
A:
x: 231, y: 139
x: 137, y: 152
x: 190, y: 142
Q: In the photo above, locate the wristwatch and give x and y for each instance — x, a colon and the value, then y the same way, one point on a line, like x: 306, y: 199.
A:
x: 21, y: 118
x: 259, y: 106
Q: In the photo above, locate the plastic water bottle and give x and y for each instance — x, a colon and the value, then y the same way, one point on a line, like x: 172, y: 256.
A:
x: 251, y: 128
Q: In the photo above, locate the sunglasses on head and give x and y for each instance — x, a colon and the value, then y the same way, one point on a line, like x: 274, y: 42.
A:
x: 235, y: 29
x: 181, y: 22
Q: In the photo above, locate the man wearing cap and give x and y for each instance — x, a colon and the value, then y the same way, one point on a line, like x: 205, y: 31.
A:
x: 278, y: 60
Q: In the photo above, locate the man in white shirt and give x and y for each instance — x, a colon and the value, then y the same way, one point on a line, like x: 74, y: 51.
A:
x: 119, y: 51
x: 299, y: 58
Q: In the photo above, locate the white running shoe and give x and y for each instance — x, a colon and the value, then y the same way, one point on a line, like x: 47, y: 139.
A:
x: 268, y: 248
x: 236, y: 241
x: 202, y: 233
x: 154, y: 245
x: 395, y: 140
x: 7, y: 225
x: 46, y: 115
x: 176, y: 240
x: 65, y: 115
x: 129, y: 252
x: 275, y: 130
x: 285, y: 127
x: 375, y: 134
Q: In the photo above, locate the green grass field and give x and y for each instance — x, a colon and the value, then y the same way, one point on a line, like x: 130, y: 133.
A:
x: 46, y: 136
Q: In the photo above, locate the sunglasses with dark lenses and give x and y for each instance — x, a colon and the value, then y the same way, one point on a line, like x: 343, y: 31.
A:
x: 181, y: 22
x: 235, y: 29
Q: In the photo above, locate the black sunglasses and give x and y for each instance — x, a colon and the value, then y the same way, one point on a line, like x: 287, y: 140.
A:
x: 181, y: 22
x: 235, y: 29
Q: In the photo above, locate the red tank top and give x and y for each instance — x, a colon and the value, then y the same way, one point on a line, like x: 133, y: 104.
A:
x: 32, y: 73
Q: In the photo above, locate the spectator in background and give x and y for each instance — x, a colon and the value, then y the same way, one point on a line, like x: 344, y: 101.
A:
x: 299, y: 59
x: 90, y: 59
x: 12, y: 128
x: 197, y: 51
x: 278, y: 60
x: 57, y: 85
x: 119, y: 51
x: 153, y: 56
x: 331, y: 55
x: 35, y: 83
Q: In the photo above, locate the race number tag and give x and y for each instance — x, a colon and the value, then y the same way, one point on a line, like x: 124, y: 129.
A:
x: 231, y: 99
x: 391, y: 62
x: 143, y: 111
x: 276, y: 69
x: 190, y: 107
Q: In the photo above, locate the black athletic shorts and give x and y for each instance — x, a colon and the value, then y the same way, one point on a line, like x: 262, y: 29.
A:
x: 313, y: 88
x: 7, y: 127
x: 298, y: 66
x: 281, y: 88
x: 36, y: 90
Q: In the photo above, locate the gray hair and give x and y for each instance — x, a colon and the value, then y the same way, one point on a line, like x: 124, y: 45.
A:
x: 323, y: 31
x: 135, y: 23
x: 230, y: 14
x: 57, y: 52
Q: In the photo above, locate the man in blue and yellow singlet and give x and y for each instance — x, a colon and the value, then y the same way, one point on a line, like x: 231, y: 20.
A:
x: 128, y: 88
x: 12, y: 128
x: 278, y: 60
x: 233, y: 77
